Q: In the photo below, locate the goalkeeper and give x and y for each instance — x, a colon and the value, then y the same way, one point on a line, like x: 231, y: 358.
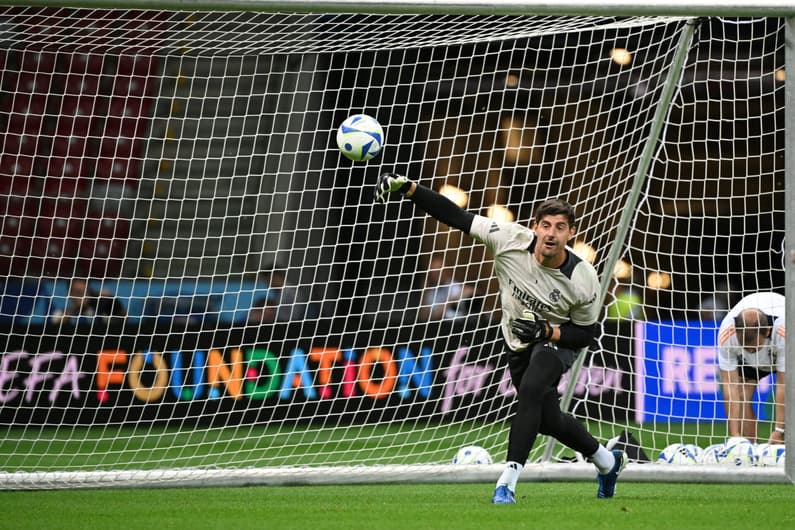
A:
x: 550, y: 308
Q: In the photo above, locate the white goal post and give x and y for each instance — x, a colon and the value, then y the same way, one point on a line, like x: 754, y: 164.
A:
x: 270, y: 324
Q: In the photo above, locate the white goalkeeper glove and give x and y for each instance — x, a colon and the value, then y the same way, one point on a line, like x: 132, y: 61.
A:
x: 388, y: 183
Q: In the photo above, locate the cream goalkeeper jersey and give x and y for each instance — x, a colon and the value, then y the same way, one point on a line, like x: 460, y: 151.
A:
x: 771, y: 355
x: 569, y: 293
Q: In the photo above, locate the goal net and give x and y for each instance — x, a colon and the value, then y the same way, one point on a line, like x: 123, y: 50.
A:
x: 198, y: 287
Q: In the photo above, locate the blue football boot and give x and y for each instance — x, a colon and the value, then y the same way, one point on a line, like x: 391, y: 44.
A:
x: 607, y: 481
x: 502, y: 495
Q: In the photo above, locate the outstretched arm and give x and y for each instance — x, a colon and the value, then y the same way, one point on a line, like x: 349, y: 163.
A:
x: 434, y: 204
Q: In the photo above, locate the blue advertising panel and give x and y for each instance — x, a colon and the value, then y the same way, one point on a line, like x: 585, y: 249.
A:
x: 677, y: 375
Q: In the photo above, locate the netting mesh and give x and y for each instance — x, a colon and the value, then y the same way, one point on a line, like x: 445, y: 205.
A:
x: 250, y: 307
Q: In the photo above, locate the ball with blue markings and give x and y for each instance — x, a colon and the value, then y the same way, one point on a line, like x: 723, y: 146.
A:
x: 771, y: 454
x: 360, y: 137
x: 472, y: 455
x: 739, y: 452
x: 679, y: 454
x: 713, y: 454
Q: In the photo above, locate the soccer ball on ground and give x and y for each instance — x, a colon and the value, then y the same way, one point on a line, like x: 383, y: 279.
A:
x: 739, y: 452
x: 360, y: 137
x: 712, y: 454
x: 771, y: 454
x: 472, y: 454
x: 679, y: 453
x: 695, y: 451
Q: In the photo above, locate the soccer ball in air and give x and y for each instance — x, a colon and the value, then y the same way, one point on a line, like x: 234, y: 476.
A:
x: 771, y: 454
x: 472, y: 454
x: 678, y: 453
x: 360, y: 137
x: 739, y: 452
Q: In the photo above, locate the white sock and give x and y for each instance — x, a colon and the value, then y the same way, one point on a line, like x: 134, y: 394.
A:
x: 603, y: 459
x: 510, y: 476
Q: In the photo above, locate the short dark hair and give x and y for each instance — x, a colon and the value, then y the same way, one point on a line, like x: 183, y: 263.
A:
x: 750, y: 324
x: 556, y: 207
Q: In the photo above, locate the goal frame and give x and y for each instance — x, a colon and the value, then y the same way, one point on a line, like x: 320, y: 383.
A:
x: 543, y: 471
x: 747, y: 8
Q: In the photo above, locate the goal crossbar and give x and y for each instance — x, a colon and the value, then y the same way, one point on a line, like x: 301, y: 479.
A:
x: 760, y: 8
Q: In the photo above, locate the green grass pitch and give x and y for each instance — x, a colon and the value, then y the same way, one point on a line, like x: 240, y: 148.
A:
x: 461, y: 506
x: 149, y: 447
x: 545, y: 505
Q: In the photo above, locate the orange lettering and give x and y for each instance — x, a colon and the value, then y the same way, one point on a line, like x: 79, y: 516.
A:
x: 370, y: 359
x: 106, y: 375
x: 218, y: 372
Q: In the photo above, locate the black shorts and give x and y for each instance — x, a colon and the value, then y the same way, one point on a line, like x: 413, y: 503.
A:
x: 518, y: 361
x: 753, y: 373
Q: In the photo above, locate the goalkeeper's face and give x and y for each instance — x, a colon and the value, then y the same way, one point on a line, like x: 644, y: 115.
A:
x: 552, y: 233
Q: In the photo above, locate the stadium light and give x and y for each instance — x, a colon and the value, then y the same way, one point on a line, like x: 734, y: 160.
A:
x: 621, y: 56
x: 499, y: 213
x: 455, y: 194
x: 622, y: 270
x: 658, y: 280
x: 585, y: 251
x: 517, y: 139
x: 512, y: 80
